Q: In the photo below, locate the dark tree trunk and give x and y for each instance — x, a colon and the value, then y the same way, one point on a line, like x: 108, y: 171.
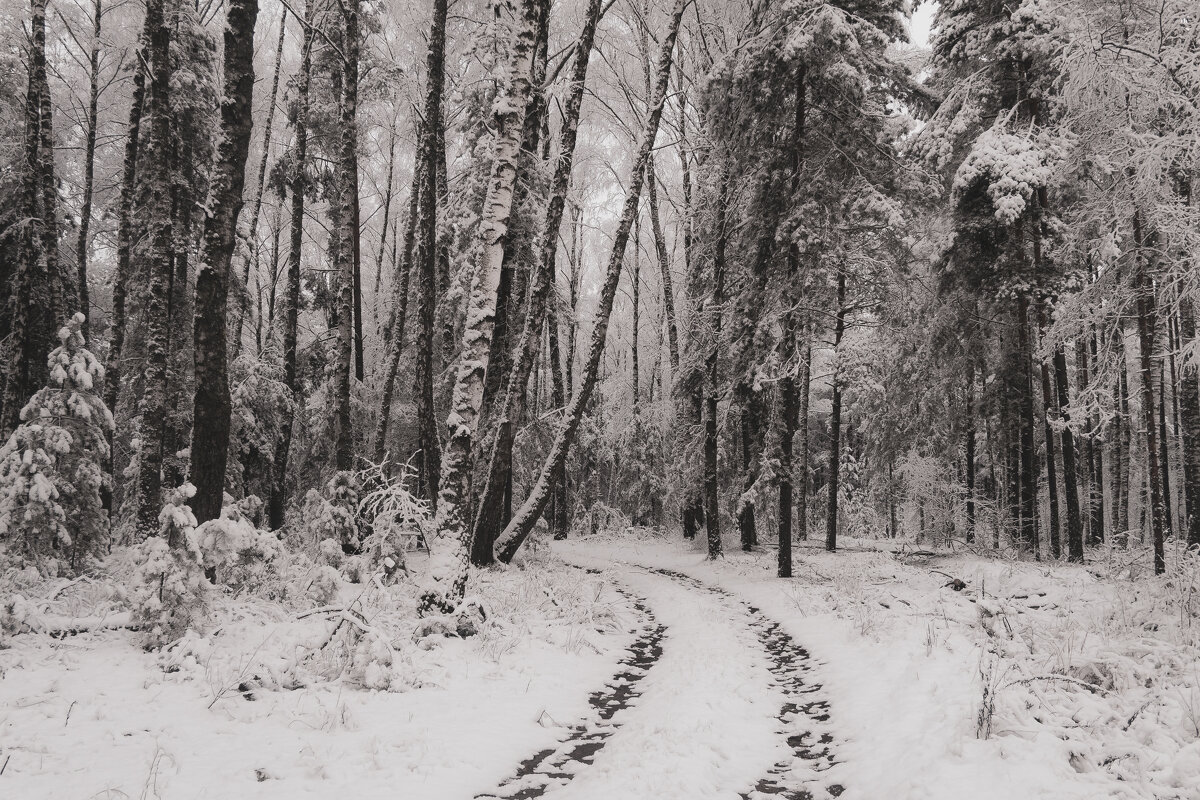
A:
x: 1146, y: 324
x: 835, y: 423
x: 711, y: 511
x: 1027, y: 489
x: 1048, y: 402
x: 422, y: 216
x: 751, y: 403
x: 89, y: 163
x: 426, y: 257
x: 1189, y: 415
x: 120, y: 281
x: 1164, y: 451
x: 252, y: 228
x: 1070, y: 483
x: 970, y: 455
x: 393, y: 334
x: 210, y: 428
x: 291, y: 292
x: 157, y: 247
x: 387, y: 208
x: 347, y: 224
x: 787, y: 384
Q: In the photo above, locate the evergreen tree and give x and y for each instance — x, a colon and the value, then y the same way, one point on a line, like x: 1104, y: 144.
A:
x: 52, y: 469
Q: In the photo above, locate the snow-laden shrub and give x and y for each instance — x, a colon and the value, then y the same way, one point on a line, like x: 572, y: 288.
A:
x: 261, y: 405
x: 332, y: 514
x: 396, y: 518
x: 324, y: 586
x: 170, y: 592
x: 234, y: 552
x: 51, y: 473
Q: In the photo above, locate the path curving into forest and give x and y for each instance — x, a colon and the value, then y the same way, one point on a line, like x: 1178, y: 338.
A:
x: 556, y: 766
x: 731, y: 708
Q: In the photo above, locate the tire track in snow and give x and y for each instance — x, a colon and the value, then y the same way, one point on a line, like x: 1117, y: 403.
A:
x: 557, y: 766
x: 801, y: 717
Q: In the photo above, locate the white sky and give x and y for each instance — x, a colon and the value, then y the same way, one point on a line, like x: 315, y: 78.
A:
x: 920, y: 22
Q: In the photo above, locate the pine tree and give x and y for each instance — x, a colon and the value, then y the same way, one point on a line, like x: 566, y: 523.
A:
x: 53, y: 467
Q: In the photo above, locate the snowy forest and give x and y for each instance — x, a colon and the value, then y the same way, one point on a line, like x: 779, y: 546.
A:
x: 702, y: 399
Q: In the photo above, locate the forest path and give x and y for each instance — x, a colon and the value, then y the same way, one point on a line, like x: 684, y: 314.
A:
x: 725, y: 708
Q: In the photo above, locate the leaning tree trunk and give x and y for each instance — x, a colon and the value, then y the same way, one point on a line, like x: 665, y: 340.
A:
x: 210, y: 428
x: 291, y: 292
x: 500, y: 448
x: 347, y: 178
x: 252, y: 228
x: 449, y: 551
x: 491, y: 482
x: 157, y: 246
x: 393, y: 334
x: 527, y: 515
x: 387, y: 208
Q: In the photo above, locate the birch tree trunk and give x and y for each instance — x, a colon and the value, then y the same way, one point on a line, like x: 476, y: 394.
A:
x: 291, y: 291
x: 449, y: 547
x: 210, y: 428
x: 523, y: 521
x: 499, y: 448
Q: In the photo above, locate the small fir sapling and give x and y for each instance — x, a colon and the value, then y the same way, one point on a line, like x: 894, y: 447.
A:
x: 170, y: 590
x: 52, y: 480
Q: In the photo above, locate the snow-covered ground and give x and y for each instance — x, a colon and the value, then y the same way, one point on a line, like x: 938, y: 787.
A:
x: 1032, y: 681
x: 94, y: 716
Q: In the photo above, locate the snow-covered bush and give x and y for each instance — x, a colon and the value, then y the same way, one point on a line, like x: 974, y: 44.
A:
x: 51, y: 473
x: 170, y: 592
x: 332, y: 514
x: 397, y: 519
x: 261, y: 406
x: 234, y: 552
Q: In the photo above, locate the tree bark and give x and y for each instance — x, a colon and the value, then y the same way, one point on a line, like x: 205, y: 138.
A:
x: 89, y: 164
x: 970, y: 455
x: 1189, y: 415
x: 422, y: 215
x: 252, y: 229
x: 210, y: 428
x: 291, y: 293
x: 158, y: 247
x: 523, y: 521
x: 1146, y: 323
x: 499, y: 448
x: 1070, y: 483
x: 711, y: 510
x: 347, y: 178
x: 120, y: 279
x: 449, y: 548
x: 835, y: 421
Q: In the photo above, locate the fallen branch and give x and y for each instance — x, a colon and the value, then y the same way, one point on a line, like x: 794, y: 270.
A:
x: 1091, y: 687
